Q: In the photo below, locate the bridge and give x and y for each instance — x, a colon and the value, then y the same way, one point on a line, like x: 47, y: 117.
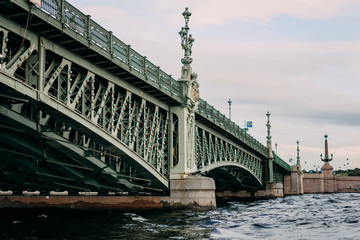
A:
x: 81, y: 111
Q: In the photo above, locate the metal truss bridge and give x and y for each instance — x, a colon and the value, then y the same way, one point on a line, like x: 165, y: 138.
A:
x: 81, y: 111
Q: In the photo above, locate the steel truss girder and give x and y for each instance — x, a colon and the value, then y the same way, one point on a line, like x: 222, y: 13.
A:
x: 109, y: 140
x: 214, y: 151
x: 101, y: 103
x: 60, y: 143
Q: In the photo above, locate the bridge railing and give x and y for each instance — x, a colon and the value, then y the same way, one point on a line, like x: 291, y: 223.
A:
x: 90, y: 31
x: 209, y: 112
x: 281, y: 162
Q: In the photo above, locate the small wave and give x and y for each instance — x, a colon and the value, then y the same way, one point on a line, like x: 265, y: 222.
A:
x: 262, y: 225
x: 42, y: 216
x: 234, y: 226
x: 304, y: 223
x: 332, y: 201
x: 325, y: 224
x: 177, y: 237
x: 139, y: 219
x: 351, y: 220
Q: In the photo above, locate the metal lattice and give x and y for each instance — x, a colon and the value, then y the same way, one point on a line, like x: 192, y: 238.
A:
x: 212, y: 151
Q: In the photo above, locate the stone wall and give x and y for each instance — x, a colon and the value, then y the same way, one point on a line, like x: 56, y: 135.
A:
x: 324, y: 182
x: 313, y: 183
x: 347, y: 184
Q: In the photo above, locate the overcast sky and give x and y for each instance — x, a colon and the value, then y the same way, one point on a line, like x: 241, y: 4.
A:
x: 298, y: 59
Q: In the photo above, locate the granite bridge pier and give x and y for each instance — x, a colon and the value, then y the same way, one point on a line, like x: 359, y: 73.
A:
x: 86, y: 122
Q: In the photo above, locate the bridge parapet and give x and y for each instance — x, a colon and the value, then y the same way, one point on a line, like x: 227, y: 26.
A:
x: 209, y: 112
x: 282, y: 163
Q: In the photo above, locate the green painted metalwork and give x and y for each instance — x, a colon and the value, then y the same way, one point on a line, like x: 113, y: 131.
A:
x: 106, y: 112
x: 69, y: 18
x: 213, y: 152
x: 132, y: 126
x: 282, y: 163
x: 210, y: 113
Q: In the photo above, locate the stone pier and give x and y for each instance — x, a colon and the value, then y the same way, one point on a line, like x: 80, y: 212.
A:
x: 294, y: 184
x: 193, y: 192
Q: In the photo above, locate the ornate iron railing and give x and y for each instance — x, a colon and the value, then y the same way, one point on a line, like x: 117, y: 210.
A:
x: 282, y: 163
x: 209, y: 112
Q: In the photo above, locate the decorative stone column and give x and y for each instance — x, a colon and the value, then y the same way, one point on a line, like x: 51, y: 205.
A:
x: 327, y: 170
x: 186, y: 189
x: 272, y: 188
x: 293, y: 184
x: 270, y: 151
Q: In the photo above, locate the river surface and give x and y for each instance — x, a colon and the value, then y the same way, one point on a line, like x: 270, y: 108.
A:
x: 327, y: 217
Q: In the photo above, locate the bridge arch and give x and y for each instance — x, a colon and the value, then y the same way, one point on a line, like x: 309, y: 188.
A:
x: 214, y: 151
x: 237, y: 173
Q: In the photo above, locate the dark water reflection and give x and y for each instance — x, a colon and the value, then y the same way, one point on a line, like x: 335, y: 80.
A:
x: 332, y: 216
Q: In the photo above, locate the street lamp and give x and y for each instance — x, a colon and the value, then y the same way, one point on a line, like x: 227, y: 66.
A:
x: 186, y: 39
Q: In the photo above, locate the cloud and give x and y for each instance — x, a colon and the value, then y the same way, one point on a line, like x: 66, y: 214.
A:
x: 214, y: 12
x: 310, y: 88
x: 301, y: 79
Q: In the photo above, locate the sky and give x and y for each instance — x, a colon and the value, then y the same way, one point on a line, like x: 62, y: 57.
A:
x: 297, y: 59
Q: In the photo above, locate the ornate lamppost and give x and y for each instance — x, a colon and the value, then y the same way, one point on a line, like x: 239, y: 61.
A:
x: 229, y: 102
x: 186, y: 112
x: 298, y: 153
x: 191, y: 86
x: 186, y: 39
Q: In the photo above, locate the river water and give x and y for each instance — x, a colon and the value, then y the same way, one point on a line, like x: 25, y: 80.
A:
x: 327, y: 216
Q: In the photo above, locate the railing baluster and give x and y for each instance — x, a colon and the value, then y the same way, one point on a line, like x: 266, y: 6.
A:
x: 111, y: 46
x: 62, y: 12
x: 129, y: 56
x: 144, y: 66
x: 88, y: 28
